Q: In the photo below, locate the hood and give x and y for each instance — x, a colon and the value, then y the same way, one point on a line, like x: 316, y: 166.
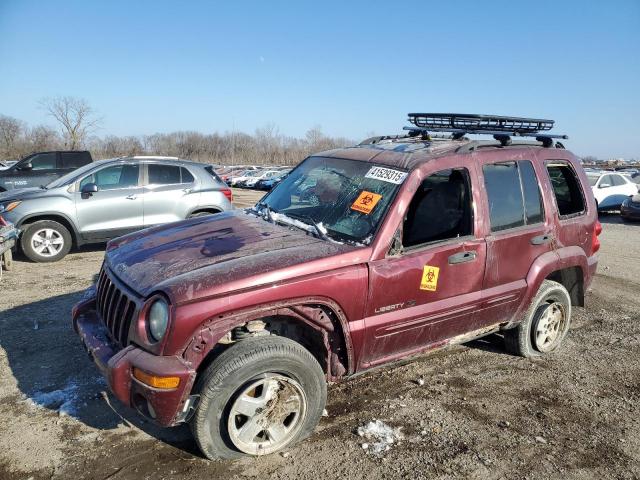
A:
x: 24, y: 194
x: 205, y: 255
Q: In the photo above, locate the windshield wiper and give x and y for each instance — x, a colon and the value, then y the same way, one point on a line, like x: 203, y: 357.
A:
x: 322, y: 233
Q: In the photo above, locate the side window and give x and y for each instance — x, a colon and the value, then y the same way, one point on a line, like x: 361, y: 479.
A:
x: 112, y: 178
x: 566, y: 188
x: 606, y: 181
x: 44, y: 161
x: 506, y: 207
x: 186, y: 175
x: 440, y: 209
x: 73, y: 160
x: 531, y: 191
x: 618, y: 180
x: 163, y: 174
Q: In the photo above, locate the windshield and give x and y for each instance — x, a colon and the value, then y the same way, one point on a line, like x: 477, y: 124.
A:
x: 593, y: 179
x: 345, y: 199
x: 73, y: 175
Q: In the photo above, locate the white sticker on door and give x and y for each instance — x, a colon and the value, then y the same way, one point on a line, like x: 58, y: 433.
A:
x: 386, y: 175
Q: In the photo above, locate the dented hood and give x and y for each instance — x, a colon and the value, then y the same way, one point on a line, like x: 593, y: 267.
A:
x: 202, y: 256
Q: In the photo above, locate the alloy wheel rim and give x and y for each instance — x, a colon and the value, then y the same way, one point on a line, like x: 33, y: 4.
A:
x: 266, y: 414
x: 549, y: 327
x: 47, y: 242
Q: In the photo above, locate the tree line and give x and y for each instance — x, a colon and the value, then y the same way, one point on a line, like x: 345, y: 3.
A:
x: 77, y: 123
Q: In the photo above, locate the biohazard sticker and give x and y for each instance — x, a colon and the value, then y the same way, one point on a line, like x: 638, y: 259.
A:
x: 386, y: 175
x: 429, y: 278
x: 366, y: 202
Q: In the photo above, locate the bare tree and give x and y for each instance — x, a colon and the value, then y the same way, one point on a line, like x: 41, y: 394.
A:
x: 10, y: 132
x: 75, y: 116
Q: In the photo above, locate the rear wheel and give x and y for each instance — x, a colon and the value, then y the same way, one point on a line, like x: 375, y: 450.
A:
x: 545, y: 325
x: 258, y: 397
x: 45, y: 241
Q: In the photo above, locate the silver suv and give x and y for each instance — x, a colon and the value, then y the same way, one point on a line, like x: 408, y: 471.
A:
x: 110, y: 198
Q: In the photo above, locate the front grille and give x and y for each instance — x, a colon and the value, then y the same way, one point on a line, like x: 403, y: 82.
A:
x: 116, y: 309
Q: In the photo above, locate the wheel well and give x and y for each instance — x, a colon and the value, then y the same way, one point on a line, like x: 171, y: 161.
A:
x: 54, y: 218
x: 206, y: 210
x: 572, y: 279
x: 316, y: 328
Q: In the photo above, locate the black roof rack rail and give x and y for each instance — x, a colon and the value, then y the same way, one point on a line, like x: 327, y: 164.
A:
x: 501, y: 127
x: 476, y: 144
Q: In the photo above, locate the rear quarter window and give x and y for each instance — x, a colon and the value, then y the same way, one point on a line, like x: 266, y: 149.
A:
x: 566, y: 188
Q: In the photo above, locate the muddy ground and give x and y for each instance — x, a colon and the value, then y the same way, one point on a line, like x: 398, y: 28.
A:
x: 479, y: 414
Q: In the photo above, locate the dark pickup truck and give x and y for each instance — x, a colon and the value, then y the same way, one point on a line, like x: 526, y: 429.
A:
x: 42, y: 168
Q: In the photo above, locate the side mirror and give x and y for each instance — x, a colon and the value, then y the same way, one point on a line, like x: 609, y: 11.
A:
x: 88, y: 190
x: 604, y: 185
x: 27, y: 166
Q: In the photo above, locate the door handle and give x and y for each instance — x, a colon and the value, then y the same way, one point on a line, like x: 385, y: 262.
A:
x: 541, y: 239
x: 462, y: 257
x: 131, y: 197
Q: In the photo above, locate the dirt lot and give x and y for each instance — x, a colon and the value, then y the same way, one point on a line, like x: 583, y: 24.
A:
x: 479, y: 414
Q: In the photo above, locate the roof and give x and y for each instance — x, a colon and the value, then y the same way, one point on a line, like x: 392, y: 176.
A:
x: 409, y: 154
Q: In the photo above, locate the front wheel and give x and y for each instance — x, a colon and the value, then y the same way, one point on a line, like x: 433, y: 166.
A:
x: 545, y: 324
x: 45, y: 241
x: 258, y: 397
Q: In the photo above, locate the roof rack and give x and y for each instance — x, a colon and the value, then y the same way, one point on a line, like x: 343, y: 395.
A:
x: 501, y: 127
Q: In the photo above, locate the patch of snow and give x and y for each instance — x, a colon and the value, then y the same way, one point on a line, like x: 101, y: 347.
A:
x: 380, y: 435
x: 63, y: 400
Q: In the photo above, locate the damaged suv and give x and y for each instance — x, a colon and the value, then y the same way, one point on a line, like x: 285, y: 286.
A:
x: 361, y: 256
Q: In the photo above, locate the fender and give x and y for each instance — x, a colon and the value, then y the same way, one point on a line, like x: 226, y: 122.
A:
x: 212, y: 331
x: 74, y: 229
x: 545, y: 265
x: 205, y: 207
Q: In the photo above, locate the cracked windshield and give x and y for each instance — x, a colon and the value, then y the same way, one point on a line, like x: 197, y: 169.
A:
x: 336, y: 199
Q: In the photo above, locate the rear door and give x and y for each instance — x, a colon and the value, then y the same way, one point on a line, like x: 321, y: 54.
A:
x: 519, y: 232
x: 429, y: 292
x: 169, y: 193
x: 116, y: 208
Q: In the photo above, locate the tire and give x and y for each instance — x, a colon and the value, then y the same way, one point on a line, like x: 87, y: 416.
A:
x: 7, y: 260
x: 54, y: 232
x: 545, y: 324
x: 248, y: 370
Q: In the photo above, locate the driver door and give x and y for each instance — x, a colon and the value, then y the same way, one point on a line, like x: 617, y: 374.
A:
x: 430, y: 291
x: 116, y: 208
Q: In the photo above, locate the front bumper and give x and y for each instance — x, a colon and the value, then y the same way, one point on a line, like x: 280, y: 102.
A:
x: 631, y: 212
x: 165, y: 407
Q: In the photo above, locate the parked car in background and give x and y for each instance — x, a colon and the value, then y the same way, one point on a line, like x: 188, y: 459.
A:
x: 42, y: 168
x: 263, y: 175
x: 5, y: 164
x: 240, y: 179
x: 413, y: 243
x: 630, y: 208
x: 611, y: 189
x: 110, y: 198
x: 269, y: 183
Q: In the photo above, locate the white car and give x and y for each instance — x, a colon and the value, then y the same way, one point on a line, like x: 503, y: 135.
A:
x: 611, y: 189
x: 243, y: 177
x: 250, y: 183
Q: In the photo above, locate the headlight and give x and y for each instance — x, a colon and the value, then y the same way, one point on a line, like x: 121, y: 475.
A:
x: 158, y: 319
x: 11, y: 205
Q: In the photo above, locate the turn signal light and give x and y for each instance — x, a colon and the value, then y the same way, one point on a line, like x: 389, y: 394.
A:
x: 595, y: 241
x: 156, y: 381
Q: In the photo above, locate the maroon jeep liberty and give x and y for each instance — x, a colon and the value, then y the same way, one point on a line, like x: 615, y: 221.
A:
x: 361, y: 256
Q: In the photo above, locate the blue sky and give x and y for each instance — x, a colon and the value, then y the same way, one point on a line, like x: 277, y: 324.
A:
x: 351, y: 67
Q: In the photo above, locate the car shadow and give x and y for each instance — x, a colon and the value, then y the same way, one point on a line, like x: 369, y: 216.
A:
x: 493, y: 343
x: 53, y: 371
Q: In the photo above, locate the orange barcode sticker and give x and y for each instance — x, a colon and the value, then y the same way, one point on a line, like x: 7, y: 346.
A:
x: 366, y: 202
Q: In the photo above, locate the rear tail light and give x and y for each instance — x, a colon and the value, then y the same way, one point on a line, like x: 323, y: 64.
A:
x: 228, y: 193
x: 595, y: 241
